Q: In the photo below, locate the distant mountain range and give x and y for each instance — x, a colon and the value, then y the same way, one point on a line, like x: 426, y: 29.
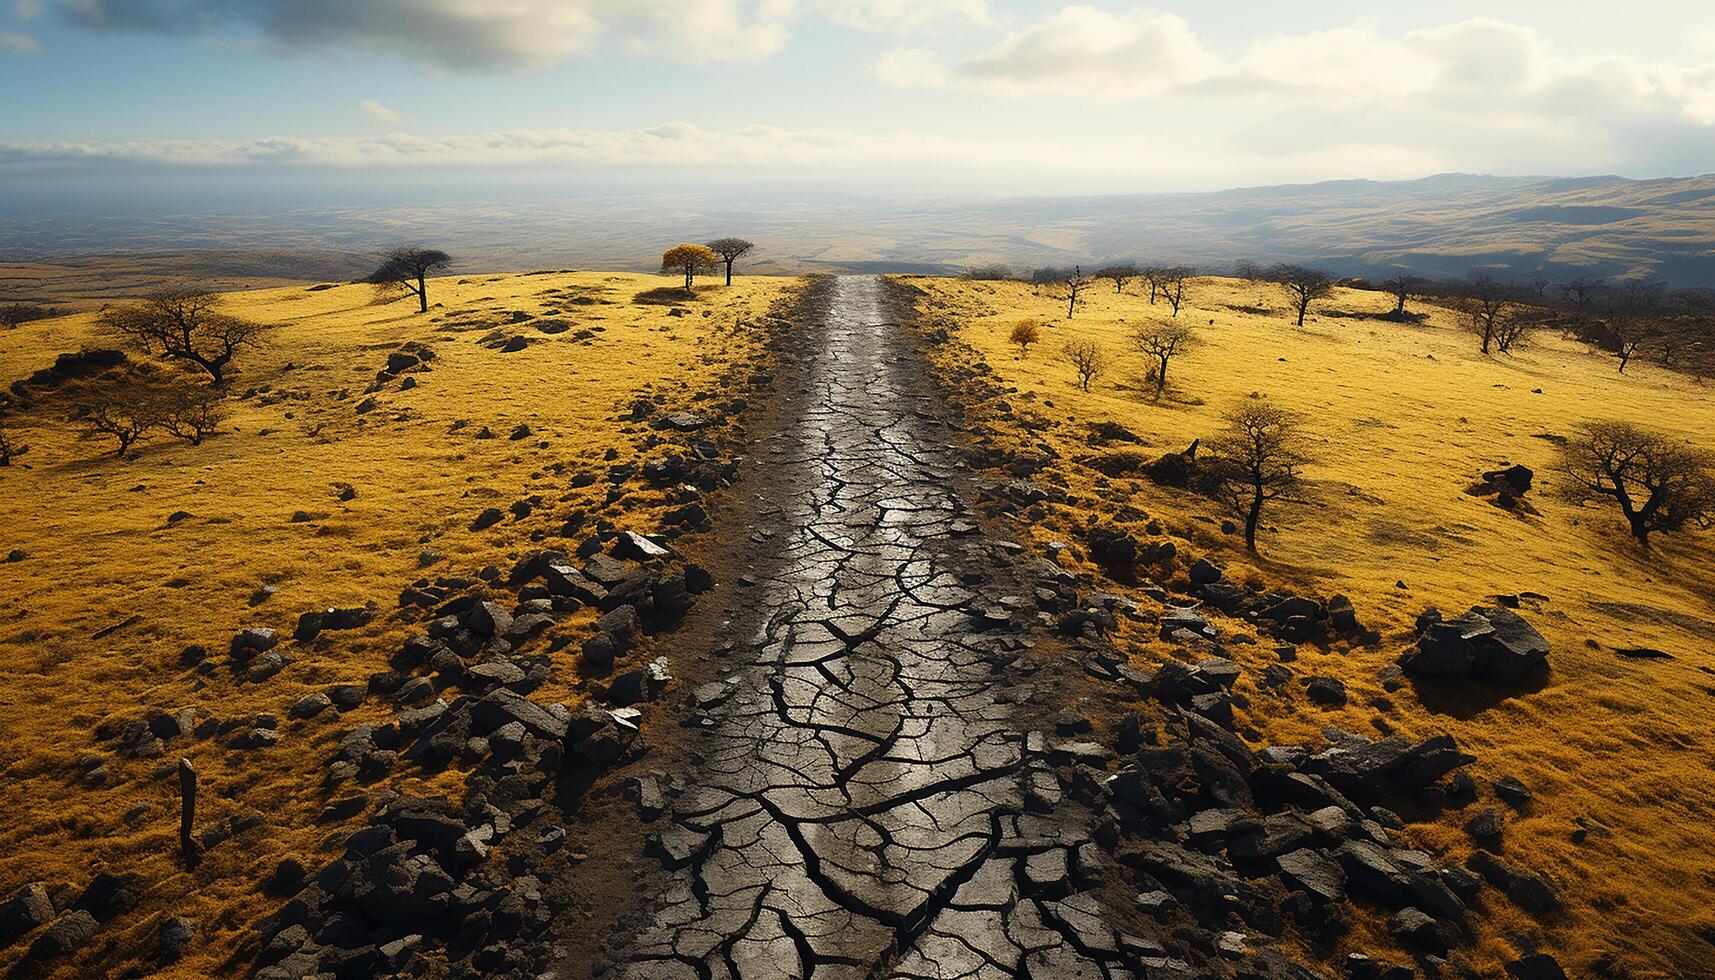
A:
x: 1441, y: 226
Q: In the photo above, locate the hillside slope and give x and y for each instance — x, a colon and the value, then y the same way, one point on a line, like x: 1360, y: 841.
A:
x: 1613, y: 744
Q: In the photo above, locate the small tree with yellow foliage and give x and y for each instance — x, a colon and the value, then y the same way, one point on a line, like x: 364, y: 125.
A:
x: 689, y: 260
x: 1025, y: 333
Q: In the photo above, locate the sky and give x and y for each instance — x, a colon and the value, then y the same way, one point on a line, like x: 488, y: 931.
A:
x: 916, y: 97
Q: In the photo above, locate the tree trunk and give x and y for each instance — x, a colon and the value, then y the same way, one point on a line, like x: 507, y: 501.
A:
x: 422, y: 294
x: 729, y: 272
x: 187, y: 812
x: 1161, y: 379
x: 1252, y: 518
x: 1303, y: 307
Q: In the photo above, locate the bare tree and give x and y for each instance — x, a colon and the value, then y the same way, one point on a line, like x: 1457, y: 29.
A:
x: 1087, y: 358
x: 1257, y: 457
x: 1634, y: 311
x: 1025, y: 333
x: 1401, y: 287
x: 183, y: 324
x: 1162, y: 341
x: 1120, y: 274
x: 688, y: 260
x: 1483, y: 302
x: 729, y: 249
x: 1629, y: 338
x: 1512, y: 326
x: 1659, y: 484
x: 191, y: 413
x: 1581, y: 294
x: 1173, y: 280
x: 121, y: 409
x: 407, y: 269
x: 1539, y: 287
x: 1072, y: 287
x: 1303, y: 285
x: 1152, y: 275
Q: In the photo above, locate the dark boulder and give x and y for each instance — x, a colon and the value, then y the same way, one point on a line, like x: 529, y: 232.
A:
x: 1113, y: 547
x: 29, y: 908
x: 1486, y: 643
x: 69, y: 933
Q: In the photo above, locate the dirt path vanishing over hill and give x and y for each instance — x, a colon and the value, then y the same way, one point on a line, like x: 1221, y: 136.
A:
x: 864, y: 802
x: 907, y: 747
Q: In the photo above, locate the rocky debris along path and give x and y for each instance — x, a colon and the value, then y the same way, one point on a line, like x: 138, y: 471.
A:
x: 864, y: 806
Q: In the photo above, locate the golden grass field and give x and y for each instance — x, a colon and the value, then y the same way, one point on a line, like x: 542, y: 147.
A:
x: 99, y: 550
x: 1617, y: 751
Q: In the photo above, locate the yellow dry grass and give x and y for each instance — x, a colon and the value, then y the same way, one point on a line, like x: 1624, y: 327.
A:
x: 1404, y: 417
x: 100, y: 550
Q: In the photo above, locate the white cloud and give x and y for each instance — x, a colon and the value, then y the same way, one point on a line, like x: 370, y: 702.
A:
x: 377, y: 111
x: 905, y: 16
x: 13, y: 42
x: 461, y: 35
x: 909, y: 68
x: 1094, y: 53
x: 698, y: 32
x: 1489, y: 67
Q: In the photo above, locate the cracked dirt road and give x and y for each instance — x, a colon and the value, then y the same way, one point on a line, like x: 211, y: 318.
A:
x: 868, y: 802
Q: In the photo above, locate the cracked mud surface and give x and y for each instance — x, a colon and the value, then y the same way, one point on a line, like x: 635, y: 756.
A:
x: 867, y: 801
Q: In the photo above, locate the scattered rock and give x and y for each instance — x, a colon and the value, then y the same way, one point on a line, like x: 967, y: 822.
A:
x: 1486, y: 643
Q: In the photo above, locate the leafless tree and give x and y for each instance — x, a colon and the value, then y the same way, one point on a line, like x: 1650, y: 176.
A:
x: 1120, y: 274
x: 1087, y: 358
x: 1630, y: 337
x: 1539, y: 287
x: 407, y: 269
x: 1659, y: 484
x: 1152, y: 276
x: 1304, y: 286
x: 1688, y: 330
x: 121, y: 409
x: 1634, y: 311
x: 1162, y: 341
x: 183, y: 323
x: 1256, y: 459
x: 1581, y: 294
x: 1072, y: 287
x: 190, y: 413
x: 1025, y: 333
x: 1401, y: 287
x: 730, y: 250
x: 1483, y: 302
x: 1173, y: 280
x: 1512, y: 326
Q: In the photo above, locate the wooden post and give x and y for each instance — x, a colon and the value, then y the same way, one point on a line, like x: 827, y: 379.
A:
x: 187, y: 812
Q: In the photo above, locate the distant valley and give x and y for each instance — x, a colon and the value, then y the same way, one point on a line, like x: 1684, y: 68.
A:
x: 1442, y: 226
